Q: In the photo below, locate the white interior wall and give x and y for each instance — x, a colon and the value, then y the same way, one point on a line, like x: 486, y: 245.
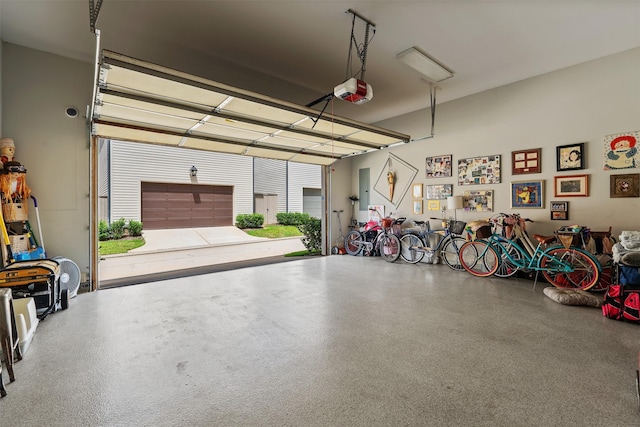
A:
x: 37, y: 88
x: 578, y: 104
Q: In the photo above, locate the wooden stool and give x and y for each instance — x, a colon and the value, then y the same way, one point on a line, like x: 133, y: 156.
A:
x: 9, y: 341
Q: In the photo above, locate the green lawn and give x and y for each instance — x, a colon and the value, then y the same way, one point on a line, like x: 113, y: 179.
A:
x: 111, y: 247
x: 274, y: 231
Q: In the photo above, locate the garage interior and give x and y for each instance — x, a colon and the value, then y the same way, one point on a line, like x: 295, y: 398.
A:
x: 333, y: 340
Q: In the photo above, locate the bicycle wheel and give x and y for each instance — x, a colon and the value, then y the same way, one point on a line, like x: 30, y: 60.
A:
x: 508, y: 265
x: 606, y: 274
x: 569, y: 268
x: 450, y: 252
x: 389, y: 247
x: 605, y: 280
x: 478, y: 258
x: 407, y: 242
x: 353, y: 243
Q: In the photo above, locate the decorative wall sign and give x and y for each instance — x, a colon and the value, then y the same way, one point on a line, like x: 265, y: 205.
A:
x: 438, y: 166
x: 527, y: 194
x: 403, y: 175
x: 559, y: 210
x: 439, y: 192
x: 570, y: 157
x: 525, y: 161
x: 621, y: 151
x: 625, y: 185
x: 479, y: 170
x: 571, y: 186
x: 478, y: 200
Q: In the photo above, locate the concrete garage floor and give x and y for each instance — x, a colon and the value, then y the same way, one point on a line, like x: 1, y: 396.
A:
x: 326, y: 341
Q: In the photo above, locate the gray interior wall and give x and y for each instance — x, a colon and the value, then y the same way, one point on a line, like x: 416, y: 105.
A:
x: 583, y: 103
x: 37, y: 88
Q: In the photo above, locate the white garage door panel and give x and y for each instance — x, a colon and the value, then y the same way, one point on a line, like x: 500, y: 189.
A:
x: 140, y: 101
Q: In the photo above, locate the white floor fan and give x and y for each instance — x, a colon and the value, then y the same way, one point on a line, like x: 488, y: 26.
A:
x: 69, y: 276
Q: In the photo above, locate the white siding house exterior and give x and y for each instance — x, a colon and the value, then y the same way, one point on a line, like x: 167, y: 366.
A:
x: 133, y: 163
x: 125, y: 165
x: 303, y: 176
x: 271, y: 178
x: 103, y: 180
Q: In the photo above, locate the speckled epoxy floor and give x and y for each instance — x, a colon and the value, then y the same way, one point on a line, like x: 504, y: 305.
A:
x: 327, y: 341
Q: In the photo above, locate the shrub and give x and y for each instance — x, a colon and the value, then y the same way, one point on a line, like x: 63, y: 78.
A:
x: 312, y: 230
x: 292, y: 218
x: 117, y: 228
x: 104, y: 231
x: 249, y: 220
x: 135, y: 228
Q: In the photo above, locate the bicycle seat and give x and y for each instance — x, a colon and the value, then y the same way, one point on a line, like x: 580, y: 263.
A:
x: 545, y: 240
x: 399, y: 220
x: 418, y: 222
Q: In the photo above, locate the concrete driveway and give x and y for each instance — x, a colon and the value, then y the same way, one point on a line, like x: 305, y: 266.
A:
x: 187, y: 251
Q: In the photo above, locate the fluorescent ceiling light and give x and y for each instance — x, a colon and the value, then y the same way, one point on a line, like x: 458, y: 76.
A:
x: 425, y: 65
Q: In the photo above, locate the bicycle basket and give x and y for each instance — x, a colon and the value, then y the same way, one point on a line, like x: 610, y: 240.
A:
x: 386, y: 222
x: 483, y: 232
x: 457, y: 227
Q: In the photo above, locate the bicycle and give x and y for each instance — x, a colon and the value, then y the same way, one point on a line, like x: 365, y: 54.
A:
x: 415, y: 246
x: 561, y: 266
x: 385, y: 242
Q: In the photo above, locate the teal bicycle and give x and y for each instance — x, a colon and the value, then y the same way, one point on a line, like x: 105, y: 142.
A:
x: 562, y: 266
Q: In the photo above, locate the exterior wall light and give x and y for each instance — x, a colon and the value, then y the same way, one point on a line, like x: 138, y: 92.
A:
x: 194, y: 171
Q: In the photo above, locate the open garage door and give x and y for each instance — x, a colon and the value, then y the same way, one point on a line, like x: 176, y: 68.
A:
x: 166, y: 206
x: 140, y: 101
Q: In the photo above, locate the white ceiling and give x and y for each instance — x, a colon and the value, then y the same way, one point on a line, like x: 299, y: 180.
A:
x: 303, y: 44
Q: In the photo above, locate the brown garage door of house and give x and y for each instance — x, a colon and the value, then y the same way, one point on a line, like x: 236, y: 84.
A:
x: 166, y: 206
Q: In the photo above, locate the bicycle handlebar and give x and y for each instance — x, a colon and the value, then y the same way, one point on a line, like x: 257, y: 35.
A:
x: 515, y: 215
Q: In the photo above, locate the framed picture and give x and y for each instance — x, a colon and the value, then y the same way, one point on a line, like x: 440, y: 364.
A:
x: 417, y: 191
x: 525, y: 161
x: 433, y: 205
x: 570, y: 157
x: 438, y: 166
x: 559, y: 210
x: 479, y: 170
x: 620, y: 151
x: 417, y: 207
x: 527, y: 194
x: 439, y: 192
x: 625, y: 185
x: 478, y: 200
x: 571, y: 186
